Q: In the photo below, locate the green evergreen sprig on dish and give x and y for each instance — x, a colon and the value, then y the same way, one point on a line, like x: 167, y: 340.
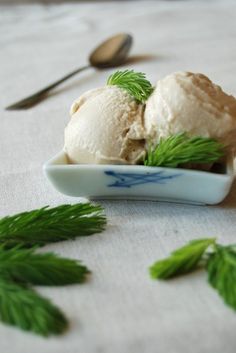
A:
x: 179, y: 149
x: 218, y: 260
x: 135, y: 83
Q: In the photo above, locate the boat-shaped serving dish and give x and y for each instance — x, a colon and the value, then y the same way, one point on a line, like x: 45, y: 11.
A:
x: 140, y: 182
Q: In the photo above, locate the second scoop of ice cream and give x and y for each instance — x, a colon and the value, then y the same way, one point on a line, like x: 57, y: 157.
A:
x: 191, y: 103
x: 106, y: 127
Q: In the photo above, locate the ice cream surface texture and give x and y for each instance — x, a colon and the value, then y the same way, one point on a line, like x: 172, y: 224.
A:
x: 106, y: 127
x: 191, y: 103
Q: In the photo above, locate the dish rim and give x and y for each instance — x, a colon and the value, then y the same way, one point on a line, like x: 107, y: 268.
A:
x: 52, y: 164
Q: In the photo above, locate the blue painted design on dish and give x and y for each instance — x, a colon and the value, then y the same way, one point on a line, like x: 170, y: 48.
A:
x: 127, y: 180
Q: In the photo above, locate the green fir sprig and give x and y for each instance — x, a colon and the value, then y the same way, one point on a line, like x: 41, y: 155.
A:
x: 135, y: 83
x: 218, y: 260
x: 29, y: 267
x: 221, y: 268
x: 21, y: 266
x: 22, y: 307
x: 179, y: 149
x: 181, y: 261
x: 49, y: 225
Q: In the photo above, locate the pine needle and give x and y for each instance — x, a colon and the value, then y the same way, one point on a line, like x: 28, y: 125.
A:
x: 180, y: 149
x: 47, y: 225
x: 135, y: 83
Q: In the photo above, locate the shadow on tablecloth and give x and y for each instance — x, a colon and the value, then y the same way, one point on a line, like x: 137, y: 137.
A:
x: 230, y: 201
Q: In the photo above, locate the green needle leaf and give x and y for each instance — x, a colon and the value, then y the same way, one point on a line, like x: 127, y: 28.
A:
x: 221, y: 269
x: 181, y: 261
x: 135, y: 83
x: 47, y: 225
x: 26, y: 266
x: 24, y: 308
x: 179, y: 149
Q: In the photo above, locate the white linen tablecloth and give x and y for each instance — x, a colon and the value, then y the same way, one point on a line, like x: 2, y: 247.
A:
x: 120, y: 309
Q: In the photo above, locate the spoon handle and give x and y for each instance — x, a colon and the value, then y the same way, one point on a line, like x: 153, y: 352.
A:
x: 42, y: 94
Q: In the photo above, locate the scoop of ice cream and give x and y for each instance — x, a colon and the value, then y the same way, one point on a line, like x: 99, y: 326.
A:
x: 106, y: 126
x: 188, y: 102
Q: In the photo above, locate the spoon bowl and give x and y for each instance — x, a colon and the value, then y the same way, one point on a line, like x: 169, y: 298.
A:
x: 113, y: 52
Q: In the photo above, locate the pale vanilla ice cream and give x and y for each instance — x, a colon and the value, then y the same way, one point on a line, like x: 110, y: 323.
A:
x: 191, y: 103
x: 106, y: 127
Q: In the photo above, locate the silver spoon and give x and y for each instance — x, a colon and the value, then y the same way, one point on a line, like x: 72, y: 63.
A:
x: 111, y: 53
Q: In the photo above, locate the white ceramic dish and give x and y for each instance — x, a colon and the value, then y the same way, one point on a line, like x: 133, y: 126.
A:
x: 139, y: 182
